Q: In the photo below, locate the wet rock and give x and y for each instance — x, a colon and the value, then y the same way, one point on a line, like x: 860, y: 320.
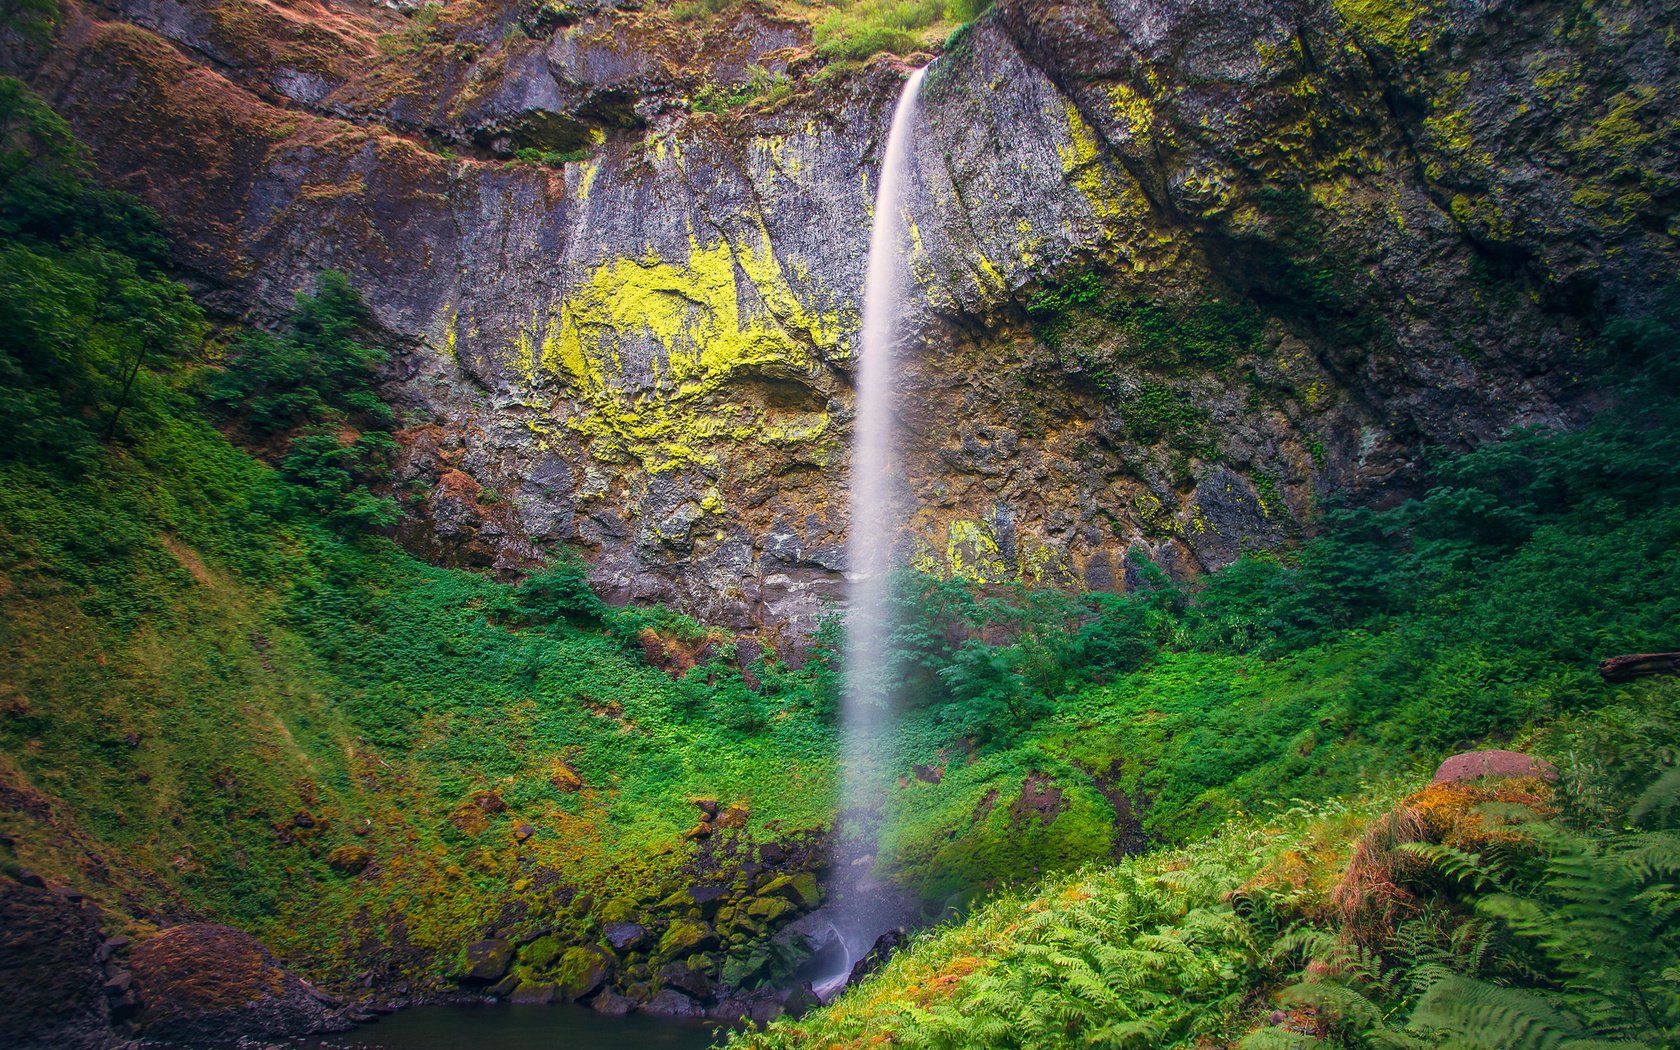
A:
x: 800, y: 889
x: 877, y: 955
x: 801, y: 1000
x: 201, y: 982
x: 611, y: 1003
x: 486, y: 960
x: 672, y: 1003
x: 531, y: 993
x: 689, y: 981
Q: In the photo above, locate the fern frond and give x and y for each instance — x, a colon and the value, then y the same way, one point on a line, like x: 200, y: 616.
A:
x: 1661, y: 800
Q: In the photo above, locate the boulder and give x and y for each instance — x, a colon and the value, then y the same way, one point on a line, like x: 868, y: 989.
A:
x: 485, y: 961
x: 625, y: 936
x: 51, y: 994
x: 800, y: 889
x: 685, y: 936
x: 581, y: 971
x: 680, y: 976
x: 349, y: 860
x: 877, y: 955
x: 542, y: 952
x: 1473, y: 765
x: 531, y: 993
x: 769, y: 909
x: 611, y: 1003
x: 672, y: 1003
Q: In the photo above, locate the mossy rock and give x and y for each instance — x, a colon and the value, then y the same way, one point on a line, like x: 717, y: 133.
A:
x: 685, y: 936
x: 769, y: 909
x: 619, y: 909
x: 581, y: 971
x: 739, y: 969
x: 484, y: 961
x: 800, y: 889
x: 542, y: 952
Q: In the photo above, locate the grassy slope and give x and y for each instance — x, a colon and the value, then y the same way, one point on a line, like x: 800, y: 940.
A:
x: 185, y: 675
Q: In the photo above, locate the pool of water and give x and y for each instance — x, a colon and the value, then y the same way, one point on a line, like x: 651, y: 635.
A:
x: 507, y: 1027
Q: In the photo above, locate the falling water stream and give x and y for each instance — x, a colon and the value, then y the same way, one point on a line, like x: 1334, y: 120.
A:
x: 876, y: 515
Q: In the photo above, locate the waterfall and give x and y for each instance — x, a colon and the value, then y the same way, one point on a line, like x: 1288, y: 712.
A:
x: 875, y: 520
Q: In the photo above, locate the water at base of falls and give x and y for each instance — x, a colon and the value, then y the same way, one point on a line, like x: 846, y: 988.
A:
x: 861, y: 911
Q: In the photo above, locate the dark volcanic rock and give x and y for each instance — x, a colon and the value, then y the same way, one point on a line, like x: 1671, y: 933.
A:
x: 52, y: 994
x: 690, y: 982
x: 625, y: 936
x: 611, y: 1003
x: 877, y: 955
x: 672, y: 1003
x: 201, y: 982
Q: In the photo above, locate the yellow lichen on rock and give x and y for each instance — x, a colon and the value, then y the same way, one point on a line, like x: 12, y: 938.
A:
x: 646, y: 343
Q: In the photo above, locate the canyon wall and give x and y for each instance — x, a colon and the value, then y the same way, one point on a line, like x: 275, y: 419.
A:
x: 1182, y: 270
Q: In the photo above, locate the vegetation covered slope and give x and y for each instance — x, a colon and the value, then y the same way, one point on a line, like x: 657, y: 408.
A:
x: 1393, y: 637
x: 1475, y: 915
x: 226, y: 695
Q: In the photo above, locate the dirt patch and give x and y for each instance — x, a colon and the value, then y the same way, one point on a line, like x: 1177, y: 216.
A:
x: 187, y: 557
x: 1040, y: 797
x: 1129, y: 836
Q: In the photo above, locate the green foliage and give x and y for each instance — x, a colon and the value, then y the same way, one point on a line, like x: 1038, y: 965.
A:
x: 559, y: 594
x: 965, y: 11
x: 762, y: 88
x: 314, y: 383
x: 319, y: 371
x: 858, y: 29
x: 548, y: 158
x: 32, y: 19
x: 88, y: 315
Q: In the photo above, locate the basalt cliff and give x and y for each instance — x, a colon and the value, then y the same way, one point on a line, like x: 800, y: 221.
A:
x: 1181, y: 271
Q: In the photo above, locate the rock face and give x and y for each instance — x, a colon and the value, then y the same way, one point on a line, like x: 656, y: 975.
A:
x: 51, y: 981
x: 1179, y: 267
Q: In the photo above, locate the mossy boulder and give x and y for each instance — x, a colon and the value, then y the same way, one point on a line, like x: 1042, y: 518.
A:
x: 483, y: 962
x: 686, y: 936
x: 542, y: 952
x: 619, y: 909
x: 349, y: 860
x: 800, y: 889
x: 581, y: 971
x: 532, y: 993
x: 769, y: 909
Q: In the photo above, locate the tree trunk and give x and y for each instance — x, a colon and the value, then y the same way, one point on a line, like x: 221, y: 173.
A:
x: 1638, y: 665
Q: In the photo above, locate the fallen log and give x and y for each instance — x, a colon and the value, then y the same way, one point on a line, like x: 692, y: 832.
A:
x: 1638, y: 665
